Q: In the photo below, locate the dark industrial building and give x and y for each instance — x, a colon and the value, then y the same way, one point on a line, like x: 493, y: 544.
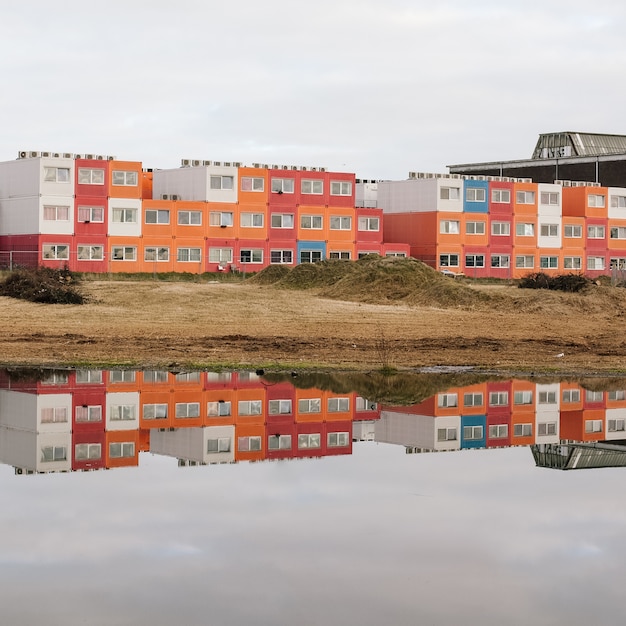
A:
x: 563, y: 156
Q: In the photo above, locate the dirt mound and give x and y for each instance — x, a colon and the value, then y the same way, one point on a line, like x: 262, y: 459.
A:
x: 43, y: 285
x: 270, y: 275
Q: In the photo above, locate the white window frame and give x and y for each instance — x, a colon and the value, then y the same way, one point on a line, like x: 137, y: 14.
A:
x: 310, y: 256
x: 121, y: 449
x: 283, y: 185
x: 222, y: 219
x: 498, y: 431
x: 279, y: 407
x: 56, y: 175
x: 249, y: 444
x: 617, y: 232
x: 312, y: 187
x: 87, y: 252
x: 156, y: 254
x: 525, y: 197
x: 89, y: 413
x: 251, y: 220
x: 549, y: 230
x: 155, y: 411
x: 311, y: 222
x: 124, y: 178
x: 252, y: 183
x: 501, y: 196
x: 473, y: 433
x: 55, y: 251
x: 279, y: 442
x: 309, y: 441
x: 498, y: 398
x: 369, y: 224
x: 596, y: 200
x: 189, y: 255
x: 475, y: 228
x: 251, y: 256
x: 338, y: 405
x: 522, y: 430
x: 124, y: 215
x: 502, y: 261
x: 123, y: 412
x: 56, y: 213
x: 249, y: 408
x: 524, y: 229
x: 90, y: 176
x: 597, y: 263
x: 157, y: 216
x: 572, y: 231
x: 449, y: 193
x: 340, y: 188
x: 549, y: 262
x: 449, y: 227
x: 596, y: 231
x: 572, y: 263
x: 473, y: 398
x: 549, y: 198
x: 286, y: 257
x: 447, y: 259
x: 281, y: 220
x: 343, y: 255
x: 189, y: 218
x: 309, y: 405
x: 340, y: 222
x: 220, y: 255
x: 524, y: 261
x: 94, y: 214
x: 447, y: 400
x: 218, y: 182
x: 501, y: 229
x: 618, y: 202
x: 338, y: 439
x: 219, y: 408
x: 123, y: 253
x: 187, y: 410
x: 475, y: 194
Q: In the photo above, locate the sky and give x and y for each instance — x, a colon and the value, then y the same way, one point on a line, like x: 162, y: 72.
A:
x: 378, y: 89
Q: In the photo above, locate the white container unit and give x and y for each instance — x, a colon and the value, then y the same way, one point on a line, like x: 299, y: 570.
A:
x: 549, y: 216
x: 210, y: 444
x: 617, y: 203
x: 212, y: 183
x: 615, y: 424
x: 29, y: 451
x: 421, y: 195
x: 36, y: 412
x: 45, y: 176
x: 366, y: 194
x: 125, y: 217
x: 419, y: 431
x: 122, y: 410
x: 548, y: 413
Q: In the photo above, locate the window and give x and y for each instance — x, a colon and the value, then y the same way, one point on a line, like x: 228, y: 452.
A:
x: 340, y: 188
x: 124, y: 216
x: 448, y: 260
x: 252, y: 183
x: 500, y: 195
x: 220, y: 218
x: 525, y: 261
x: 571, y: 395
x: 472, y: 399
x: 56, y: 213
x: 573, y: 262
x: 152, y: 253
x: 251, y: 220
x: 369, y: 223
x: 472, y: 432
x: 189, y: 255
x: 281, y: 256
x: 525, y: 230
x: 282, y: 220
x: 363, y: 404
x: 595, y: 263
x: 90, y: 253
x: 122, y: 450
x: 310, y: 256
x: 617, y: 395
x: 475, y: 195
x: 338, y: 440
x: 155, y: 411
x: 310, y: 405
x: 56, y: 378
x: 595, y: 200
x: 446, y: 434
x: 498, y: 431
x: 618, y: 202
x: 220, y: 255
x: 279, y: 442
x: 522, y: 430
x: 549, y: 197
x: 122, y: 376
x: 56, y: 251
x: 547, y: 397
x: 549, y: 262
x: 617, y: 232
x: 593, y: 426
x: 251, y: 256
x: 88, y: 413
x: 338, y: 405
x: 249, y: 444
x: 279, y: 407
x: 500, y: 260
x: 56, y: 174
x: 187, y: 409
x: 618, y: 425
x: 311, y: 440
x: 523, y: 397
x: 190, y: 218
x: 121, y: 178
x: 90, y: 176
x: 120, y: 253
x: 500, y: 228
x: 475, y: 228
x: 449, y: 227
x: 50, y: 454
x: 572, y: 231
x: 217, y: 445
x: 339, y: 222
x: 219, y: 409
x: 595, y: 232
x: 311, y: 221
x: 54, y: 415
x: 618, y: 263
x: 447, y: 400
x: 88, y: 377
x: 312, y: 186
x: 594, y: 396
x: 400, y: 255
x: 87, y: 451
x: 499, y: 398
x: 123, y: 412
x: 218, y: 377
x: 222, y: 182
x: 525, y: 197
x: 282, y: 185
x: 157, y: 216
x: 549, y: 230
x: 449, y: 193
x: 250, y: 407
x: 474, y: 260
x: 155, y: 376
x: 91, y: 214
x: 546, y: 428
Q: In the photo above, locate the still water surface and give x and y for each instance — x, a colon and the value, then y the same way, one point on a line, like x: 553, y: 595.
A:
x: 337, y: 533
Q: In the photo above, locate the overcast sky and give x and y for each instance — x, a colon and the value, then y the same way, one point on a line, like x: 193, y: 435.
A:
x: 375, y: 88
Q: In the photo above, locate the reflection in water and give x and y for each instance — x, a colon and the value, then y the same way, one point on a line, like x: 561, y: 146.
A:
x: 93, y: 419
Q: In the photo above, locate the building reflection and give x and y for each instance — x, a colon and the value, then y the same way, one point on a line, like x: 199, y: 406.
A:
x: 93, y: 419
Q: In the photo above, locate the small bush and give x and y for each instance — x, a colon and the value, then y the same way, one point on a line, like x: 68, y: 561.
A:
x: 571, y: 283
x: 43, y: 285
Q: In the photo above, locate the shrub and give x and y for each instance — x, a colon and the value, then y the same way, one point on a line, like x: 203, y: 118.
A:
x: 43, y: 285
x: 571, y: 283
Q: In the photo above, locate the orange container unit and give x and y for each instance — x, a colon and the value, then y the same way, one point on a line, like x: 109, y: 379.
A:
x: 249, y: 444
x: 222, y: 220
x: 188, y: 254
x: 311, y: 223
x: 190, y: 219
x: 157, y: 254
x: 250, y: 408
x: 523, y: 428
x: 573, y: 244
x: 189, y: 408
x: 156, y: 409
x: 340, y: 226
x: 253, y: 187
x: 122, y: 448
x: 341, y: 250
x: 338, y: 407
x: 571, y: 397
x: 525, y: 199
x: 473, y: 399
x: 158, y: 216
x: 585, y: 201
x: 310, y: 405
x: 252, y: 222
x: 125, y: 180
x: 524, y: 261
x: 474, y: 228
x: 146, y: 184
x: 221, y: 405
x: 220, y: 255
x: 123, y: 254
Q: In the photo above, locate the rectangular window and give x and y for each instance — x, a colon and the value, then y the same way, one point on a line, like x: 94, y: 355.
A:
x: 90, y: 176
x: 157, y: 216
x: 54, y: 415
x: 309, y: 405
x: 525, y: 261
x: 474, y: 260
x: 220, y: 218
x: 618, y: 202
x: 571, y: 395
x: 311, y: 222
x: 190, y: 218
x: 595, y: 232
x: 279, y: 442
x: 474, y: 195
x: 363, y: 404
x: 217, y: 445
x: 342, y: 255
x: 220, y: 255
x: 449, y: 193
x: 595, y: 200
x: 123, y: 253
x: 447, y: 400
x: 155, y: 376
x: 572, y: 263
x: 340, y: 222
x: 523, y: 397
x: 618, y: 263
x: 88, y: 214
x: 49, y: 454
x: 56, y: 213
x: 122, y: 376
x: 472, y: 399
x: 56, y: 174
x: 522, y: 430
x: 549, y: 262
x: 250, y: 407
x: 90, y: 253
x: 595, y: 263
x: 618, y: 425
x: 472, y: 432
x: 189, y: 255
x: 56, y: 251
x: 152, y: 253
x: 122, y: 450
x: 88, y: 413
x: 251, y: 220
x: 279, y: 407
x: 501, y: 196
x: 310, y: 256
x: 222, y: 182
x: 124, y: 216
x: 549, y: 230
x: 617, y: 232
x: 121, y: 178
x: 283, y: 185
x: 340, y: 188
x: 87, y: 451
x: 251, y: 256
x: 593, y: 426
x: 446, y: 434
x: 314, y: 187
x: 123, y: 412
x: 500, y: 228
x: 549, y: 197
x: 572, y: 231
x: 338, y: 440
x: 312, y: 440
x: 187, y: 409
x: 338, y: 405
x: 282, y: 220
x: 617, y: 395
x: 525, y: 197
x: 448, y: 260
x: 218, y: 409
x: 498, y: 431
x: 281, y: 256
x: 451, y: 227
x: 249, y: 444
x: 369, y: 223
x: 88, y: 377
x: 547, y: 397
x: 499, y: 398
x: 500, y: 260
x: 475, y: 228
x: 525, y: 230
x: 546, y: 428
x: 155, y: 411
x: 252, y: 183
x: 594, y: 396
x: 56, y: 378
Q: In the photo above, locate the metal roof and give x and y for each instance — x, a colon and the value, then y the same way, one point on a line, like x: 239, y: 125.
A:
x: 572, y: 144
x: 568, y: 456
